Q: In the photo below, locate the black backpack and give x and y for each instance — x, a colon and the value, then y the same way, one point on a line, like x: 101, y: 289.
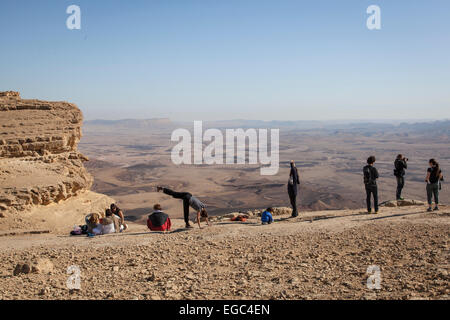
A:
x: 368, y: 176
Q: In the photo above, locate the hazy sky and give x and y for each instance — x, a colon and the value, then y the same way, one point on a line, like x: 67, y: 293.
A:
x: 211, y: 59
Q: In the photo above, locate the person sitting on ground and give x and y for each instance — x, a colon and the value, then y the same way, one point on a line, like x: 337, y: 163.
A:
x: 108, y: 222
x: 266, y: 216
x: 188, y: 200
x: 93, y: 224
x: 158, y: 220
x: 119, y: 215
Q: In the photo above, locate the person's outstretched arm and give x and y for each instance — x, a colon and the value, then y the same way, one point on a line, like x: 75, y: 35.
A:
x: 122, y: 219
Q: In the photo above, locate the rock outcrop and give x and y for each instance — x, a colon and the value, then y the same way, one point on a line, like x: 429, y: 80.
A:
x: 39, y: 160
x: 402, y: 203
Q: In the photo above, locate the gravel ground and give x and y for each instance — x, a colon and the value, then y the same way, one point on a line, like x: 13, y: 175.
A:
x: 320, y: 255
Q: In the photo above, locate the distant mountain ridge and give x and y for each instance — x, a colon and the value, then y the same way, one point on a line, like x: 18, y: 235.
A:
x: 441, y: 127
x: 129, y: 122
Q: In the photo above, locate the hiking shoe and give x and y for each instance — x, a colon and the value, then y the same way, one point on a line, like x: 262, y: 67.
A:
x: 401, y: 199
x: 429, y: 209
x: 436, y: 209
x: 376, y: 212
x: 188, y: 226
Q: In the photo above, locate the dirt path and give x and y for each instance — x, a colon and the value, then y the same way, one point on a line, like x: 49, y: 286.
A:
x: 318, y: 255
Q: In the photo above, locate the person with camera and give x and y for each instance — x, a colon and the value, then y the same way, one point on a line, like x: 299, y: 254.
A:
x: 400, y: 165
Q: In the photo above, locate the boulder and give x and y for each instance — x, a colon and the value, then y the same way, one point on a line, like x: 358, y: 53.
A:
x: 390, y: 204
x: 402, y: 203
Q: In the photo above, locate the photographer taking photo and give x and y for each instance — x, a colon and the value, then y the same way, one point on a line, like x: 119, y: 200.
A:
x: 400, y: 164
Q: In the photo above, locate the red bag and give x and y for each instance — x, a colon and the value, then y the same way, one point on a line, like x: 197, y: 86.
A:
x: 239, y: 218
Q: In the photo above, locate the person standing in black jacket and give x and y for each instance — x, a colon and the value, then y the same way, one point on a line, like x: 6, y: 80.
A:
x: 292, y: 188
x: 433, y: 180
x: 370, y: 182
x: 400, y: 165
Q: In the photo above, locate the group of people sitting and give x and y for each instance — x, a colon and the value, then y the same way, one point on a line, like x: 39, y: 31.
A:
x: 112, y: 222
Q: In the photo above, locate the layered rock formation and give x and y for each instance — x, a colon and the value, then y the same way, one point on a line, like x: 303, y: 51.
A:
x: 39, y: 160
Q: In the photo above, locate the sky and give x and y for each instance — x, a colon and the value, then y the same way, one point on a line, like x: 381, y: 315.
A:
x: 231, y: 59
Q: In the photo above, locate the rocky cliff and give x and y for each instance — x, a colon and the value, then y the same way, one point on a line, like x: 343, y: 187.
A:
x: 39, y: 160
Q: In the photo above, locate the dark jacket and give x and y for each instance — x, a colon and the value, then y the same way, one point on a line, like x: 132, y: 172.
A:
x: 370, y: 175
x: 400, y: 166
x: 292, y: 188
x: 159, y: 221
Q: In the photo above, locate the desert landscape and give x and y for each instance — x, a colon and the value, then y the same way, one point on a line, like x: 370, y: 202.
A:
x: 48, y: 185
x: 129, y: 158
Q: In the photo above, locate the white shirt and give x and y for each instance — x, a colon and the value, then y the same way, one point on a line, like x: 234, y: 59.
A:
x: 109, y: 228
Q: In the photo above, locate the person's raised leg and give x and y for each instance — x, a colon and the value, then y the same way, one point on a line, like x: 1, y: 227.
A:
x: 174, y: 194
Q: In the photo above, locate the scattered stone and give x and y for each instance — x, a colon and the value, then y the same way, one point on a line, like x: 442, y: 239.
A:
x: 44, y: 291
x: 22, y: 268
x: 40, y: 265
x: 152, y: 277
x: 43, y: 266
